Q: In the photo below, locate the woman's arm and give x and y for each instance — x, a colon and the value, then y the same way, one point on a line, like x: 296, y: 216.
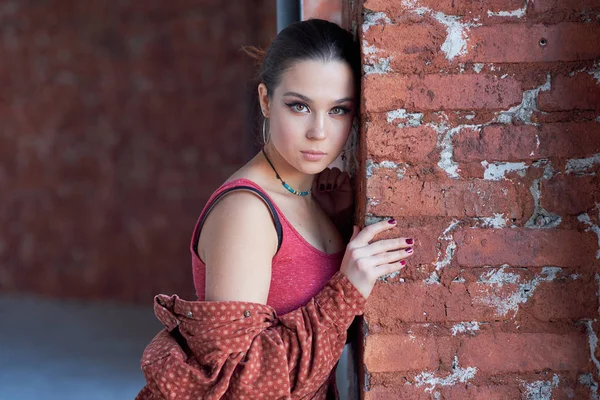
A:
x: 239, y: 346
x: 239, y: 244
x: 240, y: 349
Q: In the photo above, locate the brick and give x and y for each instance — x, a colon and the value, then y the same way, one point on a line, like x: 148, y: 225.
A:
x: 450, y: 7
x: 440, y: 92
x: 385, y: 141
x: 569, y: 194
x: 573, y: 300
x: 419, y: 302
x: 471, y: 392
x: 525, y: 247
x: 390, y: 353
x: 513, y: 43
x: 405, y: 43
x: 467, y: 302
x: 578, y: 92
x: 525, y: 352
x: 397, y: 392
x: 520, y: 142
x: 411, y: 196
x: 422, y: 230
x: 555, y: 6
x: 413, y: 302
x: 420, y: 44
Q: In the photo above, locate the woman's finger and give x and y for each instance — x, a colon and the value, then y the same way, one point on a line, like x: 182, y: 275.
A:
x: 341, y: 179
x: 332, y: 178
x: 368, y: 232
x: 388, y: 257
x: 389, y: 268
x: 383, y: 245
x: 323, y: 179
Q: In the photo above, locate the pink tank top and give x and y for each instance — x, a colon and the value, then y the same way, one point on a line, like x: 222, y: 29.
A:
x: 298, y: 272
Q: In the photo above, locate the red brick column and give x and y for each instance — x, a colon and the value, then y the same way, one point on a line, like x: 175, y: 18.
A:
x: 481, y: 136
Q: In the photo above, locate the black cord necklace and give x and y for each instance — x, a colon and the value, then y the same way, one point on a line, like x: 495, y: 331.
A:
x: 285, y: 185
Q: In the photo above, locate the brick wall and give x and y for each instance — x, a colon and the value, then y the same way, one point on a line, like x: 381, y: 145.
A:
x: 118, y: 119
x: 481, y: 136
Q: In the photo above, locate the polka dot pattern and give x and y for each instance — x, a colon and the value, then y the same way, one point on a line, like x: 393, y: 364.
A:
x: 241, y: 350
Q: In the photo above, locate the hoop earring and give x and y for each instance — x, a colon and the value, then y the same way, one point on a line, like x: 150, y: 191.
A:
x: 264, y: 129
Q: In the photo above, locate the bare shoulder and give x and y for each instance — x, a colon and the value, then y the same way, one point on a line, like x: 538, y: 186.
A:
x: 237, y: 243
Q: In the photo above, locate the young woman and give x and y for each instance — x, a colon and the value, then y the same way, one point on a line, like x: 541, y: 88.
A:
x: 277, y: 282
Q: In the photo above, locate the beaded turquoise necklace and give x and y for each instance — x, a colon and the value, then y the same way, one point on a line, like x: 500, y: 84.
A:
x: 285, y: 185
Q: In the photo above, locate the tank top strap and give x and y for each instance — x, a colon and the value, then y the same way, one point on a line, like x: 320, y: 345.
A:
x: 223, y: 190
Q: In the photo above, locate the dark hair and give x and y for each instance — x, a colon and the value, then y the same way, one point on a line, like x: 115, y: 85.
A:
x: 313, y: 39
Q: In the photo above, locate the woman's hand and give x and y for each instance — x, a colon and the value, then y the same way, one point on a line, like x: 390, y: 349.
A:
x: 364, y: 262
x: 332, y: 190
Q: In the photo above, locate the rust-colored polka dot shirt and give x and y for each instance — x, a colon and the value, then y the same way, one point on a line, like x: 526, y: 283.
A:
x: 240, y: 350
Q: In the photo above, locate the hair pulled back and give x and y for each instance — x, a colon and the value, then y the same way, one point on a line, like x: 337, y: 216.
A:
x: 313, y: 39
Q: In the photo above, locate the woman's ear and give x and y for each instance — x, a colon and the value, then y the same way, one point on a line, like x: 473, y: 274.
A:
x: 263, y: 98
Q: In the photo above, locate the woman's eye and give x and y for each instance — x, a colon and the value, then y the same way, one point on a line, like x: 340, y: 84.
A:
x: 298, y: 107
x: 339, y: 111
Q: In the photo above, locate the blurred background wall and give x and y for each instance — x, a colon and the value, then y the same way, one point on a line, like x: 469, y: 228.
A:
x: 118, y: 120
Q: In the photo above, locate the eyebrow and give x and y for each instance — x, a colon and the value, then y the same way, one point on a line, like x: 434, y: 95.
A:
x: 345, y: 99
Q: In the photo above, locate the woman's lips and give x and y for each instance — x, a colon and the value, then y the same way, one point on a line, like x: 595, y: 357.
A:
x: 313, y: 156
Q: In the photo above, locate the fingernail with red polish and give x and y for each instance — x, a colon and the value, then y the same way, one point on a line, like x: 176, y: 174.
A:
x: 403, y: 262
x: 392, y: 221
x: 409, y: 241
x: 409, y: 250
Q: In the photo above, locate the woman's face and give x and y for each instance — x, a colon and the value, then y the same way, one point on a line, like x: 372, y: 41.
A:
x: 311, y: 110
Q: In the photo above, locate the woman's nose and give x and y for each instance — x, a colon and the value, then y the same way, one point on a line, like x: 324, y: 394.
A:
x: 317, y: 127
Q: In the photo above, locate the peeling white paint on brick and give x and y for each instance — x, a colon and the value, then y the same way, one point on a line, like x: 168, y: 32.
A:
x: 499, y: 277
x: 537, y: 145
x: 368, y: 49
x: 523, y: 112
x: 593, y: 227
x: 540, y: 218
x: 391, y: 275
x: 465, y: 327
x: 380, y: 66
x: 596, y: 75
x: 372, y: 201
x: 444, y: 141
x: 588, y: 380
x: 410, y: 119
x: 595, y: 72
x: 373, y: 18
x: 434, y: 278
x: 582, y: 164
x: 593, y: 342
x: 502, y: 303
x: 519, y: 13
x: 497, y: 221
x: 398, y: 168
x: 456, y: 40
x: 496, y: 170
x: 456, y: 37
x: 477, y: 67
x: 430, y: 379
x: 540, y: 390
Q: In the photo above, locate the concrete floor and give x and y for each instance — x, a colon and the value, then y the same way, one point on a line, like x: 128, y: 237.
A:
x: 69, y: 350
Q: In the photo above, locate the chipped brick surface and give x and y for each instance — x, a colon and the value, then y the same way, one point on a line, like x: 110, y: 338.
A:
x: 481, y: 132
